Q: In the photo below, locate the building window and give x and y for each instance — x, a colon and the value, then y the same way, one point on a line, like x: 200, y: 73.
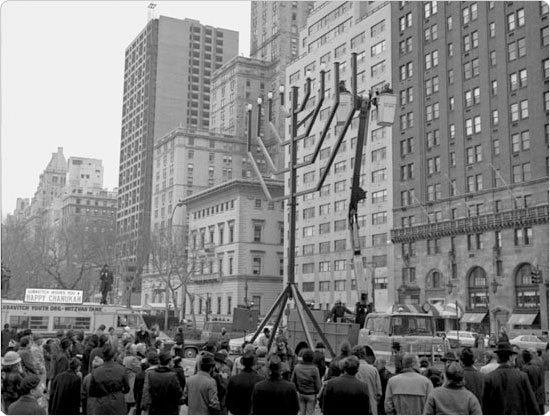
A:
x: 523, y: 236
x: 434, y: 280
x: 477, y: 289
x: 256, y: 265
x: 308, y: 268
x: 339, y: 265
x: 308, y: 286
x: 324, y: 266
x: 527, y: 293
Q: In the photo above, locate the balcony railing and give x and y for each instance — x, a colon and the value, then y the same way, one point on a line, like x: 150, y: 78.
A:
x: 516, y: 218
x: 210, y: 277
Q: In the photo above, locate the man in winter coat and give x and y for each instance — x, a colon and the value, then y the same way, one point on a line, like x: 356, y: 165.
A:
x: 238, y: 399
x: 407, y: 391
x: 308, y: 382
x: 30, y: 389
x: 162, y: 391
x: 473, y: 379
x: 535, y: 373
x: 368, y: 374
x: 201, y: 393
x: 507, y: 390
x: 452, y: 398
x: 345, y: 394
x: 28, y: 363
x: 109, y: 384
x: 65, y: 392
x: 275, y: 396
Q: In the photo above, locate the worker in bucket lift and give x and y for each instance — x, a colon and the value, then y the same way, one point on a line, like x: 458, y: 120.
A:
x: 338, y: 311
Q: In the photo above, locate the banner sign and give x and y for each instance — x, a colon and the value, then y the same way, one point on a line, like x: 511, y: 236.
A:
x: 53, y: 308
x: 53, y: 296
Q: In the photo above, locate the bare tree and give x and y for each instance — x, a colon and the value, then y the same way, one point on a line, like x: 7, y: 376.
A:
x: 168, y: 258
x: 67, y: 256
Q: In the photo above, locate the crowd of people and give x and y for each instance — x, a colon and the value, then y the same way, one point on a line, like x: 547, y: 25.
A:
x: 134, y: 374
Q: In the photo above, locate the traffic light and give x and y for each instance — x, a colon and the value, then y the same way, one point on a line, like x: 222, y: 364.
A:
x: 535, y: 276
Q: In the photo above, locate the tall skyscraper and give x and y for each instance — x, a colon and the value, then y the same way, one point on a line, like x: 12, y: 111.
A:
x: 323, y: 269
x: 471, y: 160
x: 274, y: 36
x: 238, y: 83
x: 167, y: 75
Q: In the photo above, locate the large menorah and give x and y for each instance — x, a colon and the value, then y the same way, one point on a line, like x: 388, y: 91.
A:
x: 343, y: 100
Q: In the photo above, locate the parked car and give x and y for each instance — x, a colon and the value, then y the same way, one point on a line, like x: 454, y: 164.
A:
x: 464, y: 338
x: 235, y: 344
x: 528, y: 341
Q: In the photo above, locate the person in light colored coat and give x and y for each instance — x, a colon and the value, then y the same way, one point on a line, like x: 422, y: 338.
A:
x: 201, y: 393
x: 452, y: 398
x: 408, y: 391
x: 368, y: 374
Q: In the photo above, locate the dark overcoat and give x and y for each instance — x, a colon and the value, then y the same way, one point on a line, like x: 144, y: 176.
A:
x: 275, y: 397
x: 507, y: 391
x: 238, y: 399
x: 65, y: 394
x: 345, y: 395
x: 109, y: 384
x: 535, y: 373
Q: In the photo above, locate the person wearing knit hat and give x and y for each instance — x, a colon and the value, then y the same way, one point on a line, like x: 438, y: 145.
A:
x: 452, y: 398
x: 30, y: 389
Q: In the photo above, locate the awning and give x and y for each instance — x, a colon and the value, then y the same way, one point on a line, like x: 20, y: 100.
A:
x: 522, y: 318
x: 473, y: 318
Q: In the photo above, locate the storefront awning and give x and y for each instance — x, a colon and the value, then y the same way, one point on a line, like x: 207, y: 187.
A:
x: 450, y: 310
x: 473, y: 318
x: 522, y: 318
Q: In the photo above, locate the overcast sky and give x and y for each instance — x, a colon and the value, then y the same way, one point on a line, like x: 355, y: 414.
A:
x: 62, y: 67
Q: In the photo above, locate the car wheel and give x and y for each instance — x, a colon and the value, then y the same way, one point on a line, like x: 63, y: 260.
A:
x: 190, y: 353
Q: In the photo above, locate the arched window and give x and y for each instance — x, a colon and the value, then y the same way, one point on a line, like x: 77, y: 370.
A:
x: 527, y: 293
x: 477, y: 288
x: 434, y: 280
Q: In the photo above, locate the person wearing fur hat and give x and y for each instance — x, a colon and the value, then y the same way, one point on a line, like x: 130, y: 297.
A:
x: 507, y: 390
x: 452, y: 398
x: 31, y: 389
